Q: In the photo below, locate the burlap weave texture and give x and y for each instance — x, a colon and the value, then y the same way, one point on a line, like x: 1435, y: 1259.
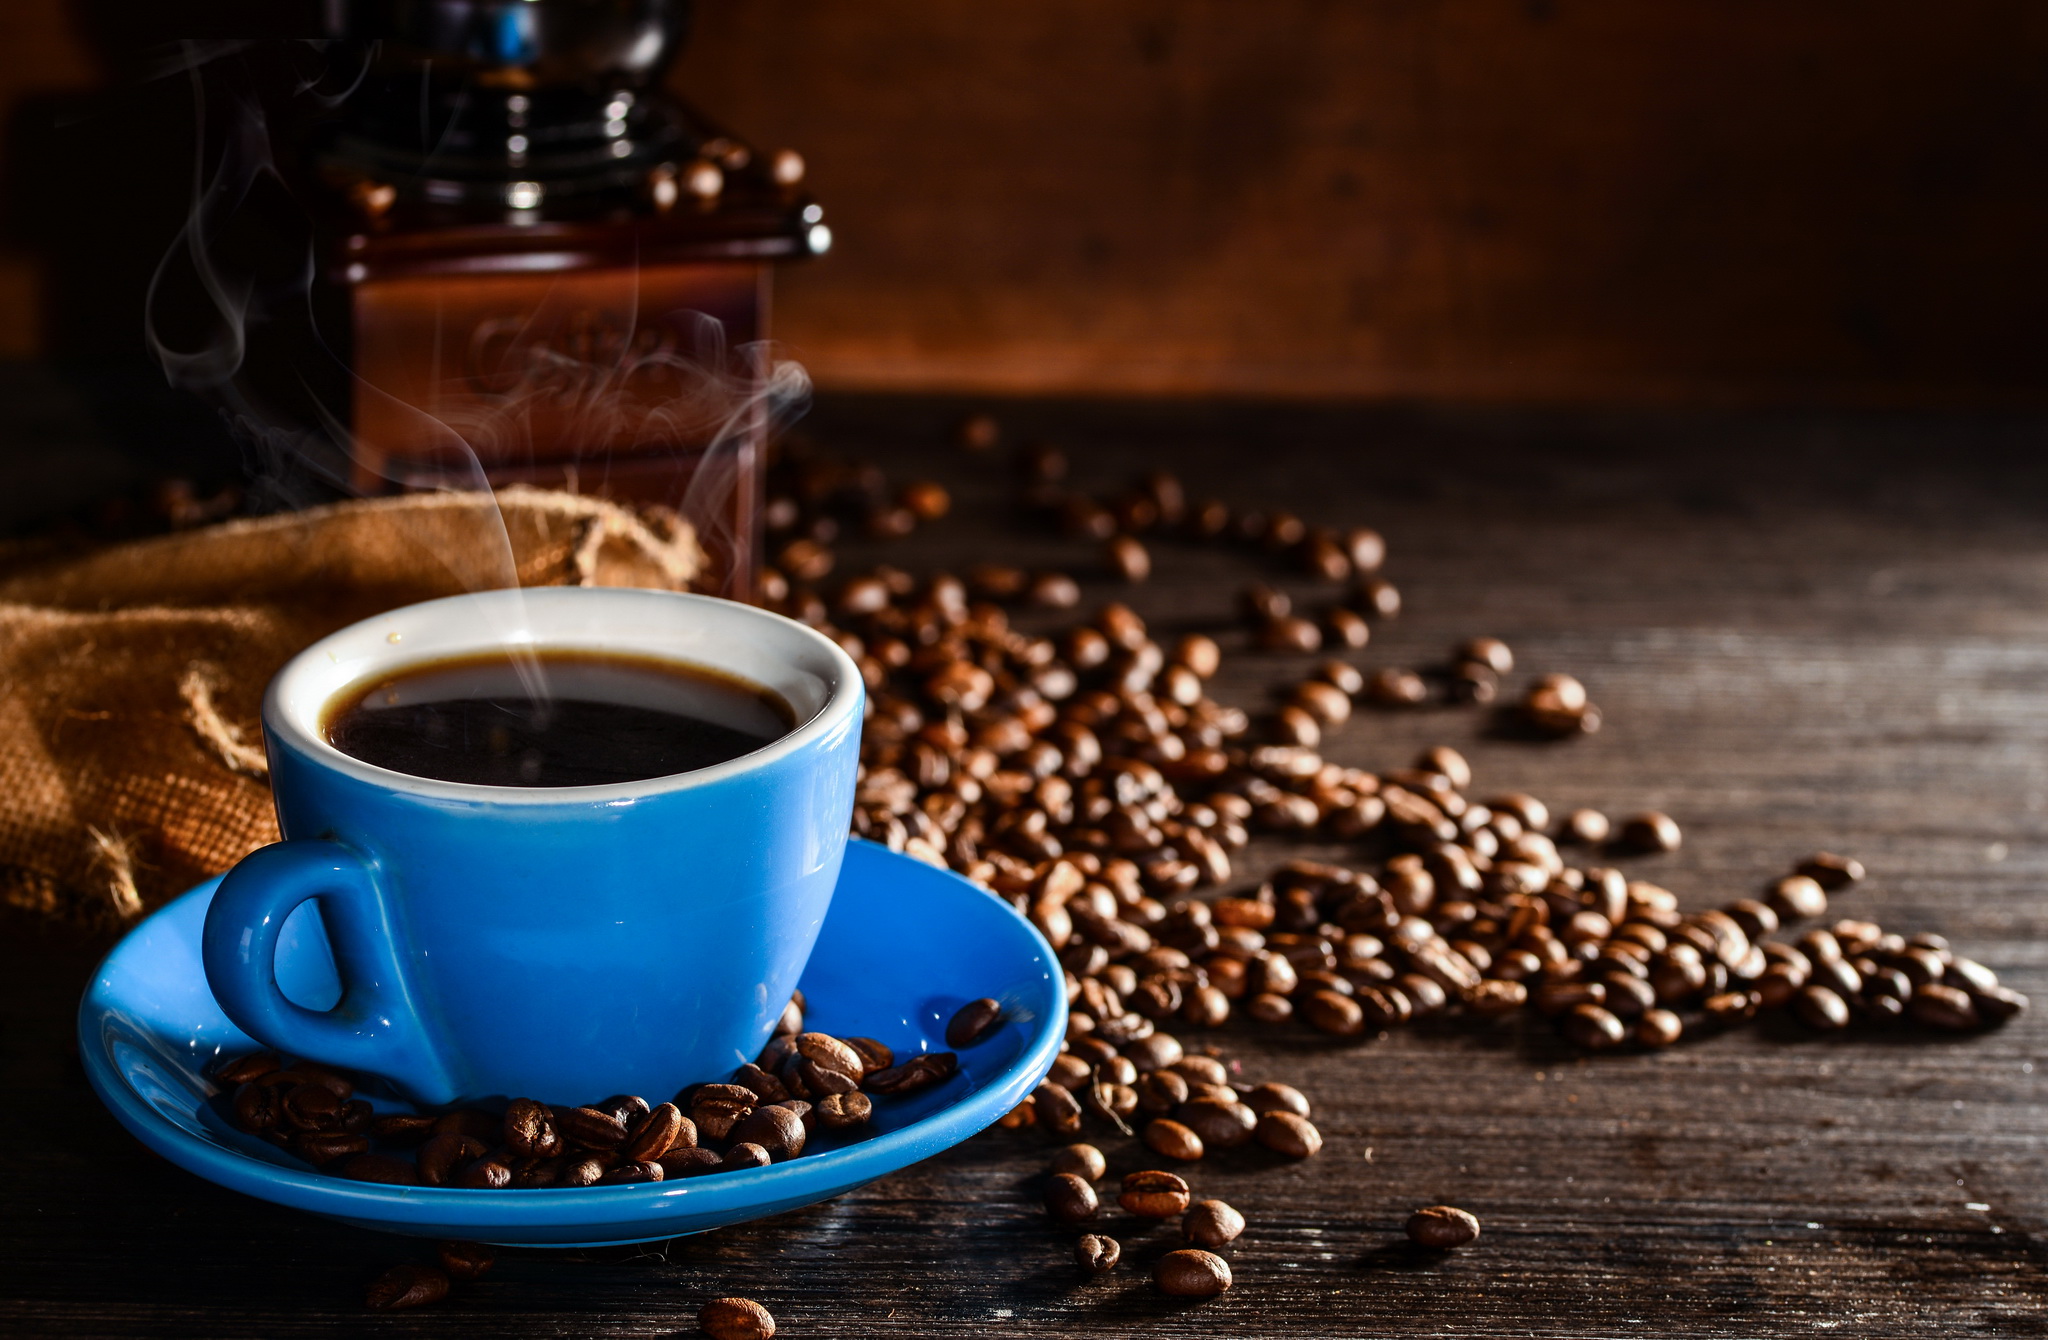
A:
x: 131, y: 762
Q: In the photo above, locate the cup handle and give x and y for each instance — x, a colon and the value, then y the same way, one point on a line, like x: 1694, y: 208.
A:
x: 376, y: 1027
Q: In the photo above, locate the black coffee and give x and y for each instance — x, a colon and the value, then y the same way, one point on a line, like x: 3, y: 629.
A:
x: 595, y: 719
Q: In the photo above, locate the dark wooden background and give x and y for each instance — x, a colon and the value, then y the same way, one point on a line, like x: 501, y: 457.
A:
x: 1531, y: 199
x: 1808, y: 630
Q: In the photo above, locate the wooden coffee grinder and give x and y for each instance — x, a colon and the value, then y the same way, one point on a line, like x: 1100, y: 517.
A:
x: 555, y: 273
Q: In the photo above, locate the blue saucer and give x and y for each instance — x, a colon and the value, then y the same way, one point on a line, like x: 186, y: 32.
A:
x: 903, y: 947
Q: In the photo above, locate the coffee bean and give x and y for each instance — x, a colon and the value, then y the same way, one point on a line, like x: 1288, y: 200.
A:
x: 1338, y: 1015
x: 972, y: 1022
x: 735, y: 1319
x: 381, y: 1168
x: 1586, y: 827
x: 466, y: 1260
x: 1378, y: 597
x: 1057, y: 1109
x: 715, y: 1109
x: 1652, y: 830
x: 1161, y: 1091
x: 1659, y: 1028
x: 404, y: 1287
x: 402, y: 1128
x: 1944, y: 1007
x: 1998, y: 1004
x: 1082, y: 1160
x: 1096, y: 1254
x: 585, y: 1171
x: 918, y: 1073
x: 764, y: 1086
x: 1286, y: 1133
x: 632, y: 1173
x: 257, y: 1108
x: 1191, y: 1273
x: 529, y: 1129
x: 1274, y: 1097
x: 1219, y: 1123
x: 1798, y: 897
x: 1490, y: 652
x: 533, y: 1174
x: 1129, y: 559
x: 691, y: 1162
x: 873, y: 1055
x: 843, y: 1111
x: 1211, y: 1223
x: 443, y: 1155
x: 1442, y: 1228
x: 1346, y: 628
x: 1070, y: 1199
x: 244, y: 1069
x: 485, y: 1175
x: 592, y: 1129
x: 777, y: 1130
x: 321, y: 1148
x: 1170, y: 1139
x: 829, y: 1053
x: 1833, y: 873
x: 1153, y: 1195
x: 1395, y: 688
x: 1267, y: 1008
x: 1494, y: 997
x: 1821, y: 1009
x: 1592, y: 1027
x: 745, y: 1155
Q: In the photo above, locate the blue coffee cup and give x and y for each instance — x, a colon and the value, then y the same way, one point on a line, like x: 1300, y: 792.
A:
x: 560, y: 943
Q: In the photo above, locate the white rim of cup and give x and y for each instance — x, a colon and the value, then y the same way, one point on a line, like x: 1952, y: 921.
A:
x: 300, y: 684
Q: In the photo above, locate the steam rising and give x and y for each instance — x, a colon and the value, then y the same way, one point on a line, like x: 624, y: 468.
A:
x: 245, y: 262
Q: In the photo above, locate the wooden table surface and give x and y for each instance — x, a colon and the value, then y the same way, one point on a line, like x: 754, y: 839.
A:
x: 1807, y: 631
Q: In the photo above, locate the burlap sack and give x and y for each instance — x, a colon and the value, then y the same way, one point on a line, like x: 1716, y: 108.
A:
x: 131, y: 758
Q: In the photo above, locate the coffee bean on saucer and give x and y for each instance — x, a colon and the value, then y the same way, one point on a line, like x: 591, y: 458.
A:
x: 1070, y: 1199
x: 1442, y: 1227
x: 1211, y: 1223
x: 380, y: 1168
x: 590, y: 1128
x: 1083, y: 1161
x: 919, y: 1072
x: 717, y: 1108
x: 691, y: 1162
x: 1191, y: 1273
x: 1096, y: 1254
x: 257, y: 1108
x: 243, y: 1069
x: 627, y: 1108
x: 322, y: 1148
x: 632, y: 1173
x: 466, y: 1260
x: 972, y: 1022
x: 406, y: 1286
x: 655, y: 1134
x: 746, y: 1155
x: 442, y: 1155
x: 530, y: 1129
x: 486, y: 1175
x: 1285, y: 1133
x: 534, y: 1174
x: 843, y: 1111
x: 582, y: 1172
x: 472, y: 1122
x: 402, y: 1128
x: 1152, y: 1194
x: 829, y: 1053
x: 735, y: 1319
x: 777, y: 1130
x: 766, y: 1087
x: 873, y: 1055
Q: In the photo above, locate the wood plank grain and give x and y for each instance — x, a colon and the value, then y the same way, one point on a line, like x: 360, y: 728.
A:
x: 1807, y: 631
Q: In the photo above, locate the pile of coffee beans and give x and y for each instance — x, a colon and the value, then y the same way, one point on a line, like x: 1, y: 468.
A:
x: 803, y: 1083
x: 1086, y: 776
